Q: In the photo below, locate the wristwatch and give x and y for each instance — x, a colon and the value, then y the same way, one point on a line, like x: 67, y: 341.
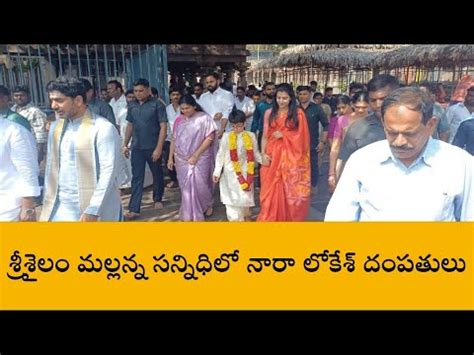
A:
x: 29, y: 211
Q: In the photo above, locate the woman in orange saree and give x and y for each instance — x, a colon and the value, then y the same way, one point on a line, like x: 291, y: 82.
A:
x: 285, y: 172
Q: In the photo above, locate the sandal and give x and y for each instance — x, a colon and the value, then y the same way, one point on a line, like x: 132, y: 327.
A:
x: 172, y: 184
x: 131, y: 215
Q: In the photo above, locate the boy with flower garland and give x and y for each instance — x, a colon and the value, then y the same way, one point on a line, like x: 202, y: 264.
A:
x: 238, y: 154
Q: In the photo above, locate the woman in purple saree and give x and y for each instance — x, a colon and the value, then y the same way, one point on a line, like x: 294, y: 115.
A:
x: 192, y: 146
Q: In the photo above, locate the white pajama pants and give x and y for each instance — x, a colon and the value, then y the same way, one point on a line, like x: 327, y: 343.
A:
x: 237, y: 213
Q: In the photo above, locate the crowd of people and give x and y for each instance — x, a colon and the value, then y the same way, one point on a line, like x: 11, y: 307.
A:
x: 395, y: 153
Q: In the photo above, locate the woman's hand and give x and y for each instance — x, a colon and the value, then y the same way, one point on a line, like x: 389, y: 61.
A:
x: 193, y: 159
x: 277, y: 134
x: 266, y: 159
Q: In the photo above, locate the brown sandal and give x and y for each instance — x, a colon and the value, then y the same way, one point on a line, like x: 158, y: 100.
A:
x: 131, y: 215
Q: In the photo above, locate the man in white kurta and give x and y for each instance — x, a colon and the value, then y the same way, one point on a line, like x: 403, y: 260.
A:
x: 217, y: 103
x: 18, y: 172
x: 246, y: 105
x: 237, y: 201
x: 83, y: 160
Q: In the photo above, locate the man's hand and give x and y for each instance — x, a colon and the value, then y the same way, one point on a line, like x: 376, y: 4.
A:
x: 28, y: 215
x: 126, y: 151
x: 215, y: 179
x: 332, y: 183
x: 220, y: 134
x: 88, y: 218
x: 156, y: 154
x: 170, y: 165
x: 320, y: 147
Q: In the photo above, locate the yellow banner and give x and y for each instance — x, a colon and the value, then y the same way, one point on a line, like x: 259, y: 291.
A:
x: 236, y: 266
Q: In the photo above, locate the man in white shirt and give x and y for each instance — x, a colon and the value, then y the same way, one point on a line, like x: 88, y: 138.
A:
x: 118, y: 102
x: 409, y: 176
x: 457, y: 113
x: 36, y: 117
x: 217, y: 103
x: 198, y: 90
x: 18, y: 172
x: 245, y: 104
x: 172, y: 112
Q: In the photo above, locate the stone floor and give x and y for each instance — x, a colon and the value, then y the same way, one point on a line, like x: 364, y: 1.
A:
x: 172, y: 199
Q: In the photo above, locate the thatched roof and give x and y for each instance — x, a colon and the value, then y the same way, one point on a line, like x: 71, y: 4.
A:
x: 327, y: 56
x: 428, y: 56
x: 370, y: 56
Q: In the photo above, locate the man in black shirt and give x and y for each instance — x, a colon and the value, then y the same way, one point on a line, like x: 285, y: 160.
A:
x: 314, y: 115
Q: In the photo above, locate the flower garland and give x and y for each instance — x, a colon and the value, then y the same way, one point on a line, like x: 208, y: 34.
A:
x: 245, y: 184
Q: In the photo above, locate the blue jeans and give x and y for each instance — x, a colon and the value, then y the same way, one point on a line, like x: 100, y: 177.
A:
x: 139, y: 158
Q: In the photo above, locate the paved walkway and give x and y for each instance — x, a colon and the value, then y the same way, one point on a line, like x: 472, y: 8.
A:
x: 172, y: 200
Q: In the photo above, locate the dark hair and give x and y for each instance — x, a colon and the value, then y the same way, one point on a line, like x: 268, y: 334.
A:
x: 189, y: 100
x: 313, y: 82
x: 328, y: 88
x: 129, y: 91
x: 154, y: 91
x: 429, y: 86
x: 237, y: 116
x: 292, y: 118
x: 215, y: 75
x: 142, y: 82
x: 70, y: 87
x: 174, y: 89
x: 4, y: 91
x: 317, y: 94
x: 360, y: 96
x: 268, y: 83
x: 252, y: 87
x: 382, y: 81
x: 471, y: 88
x: 241, y: 88
x: 412, y: 98
x: 303, y: 88
x: 22, y: 88
x: 200, y: 85
x: 117, y: 84
x: 343, y: 99
x: 356, y: 87
x: 87, y: 84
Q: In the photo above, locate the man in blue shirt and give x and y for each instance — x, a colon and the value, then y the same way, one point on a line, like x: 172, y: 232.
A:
x: 409, y: 176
